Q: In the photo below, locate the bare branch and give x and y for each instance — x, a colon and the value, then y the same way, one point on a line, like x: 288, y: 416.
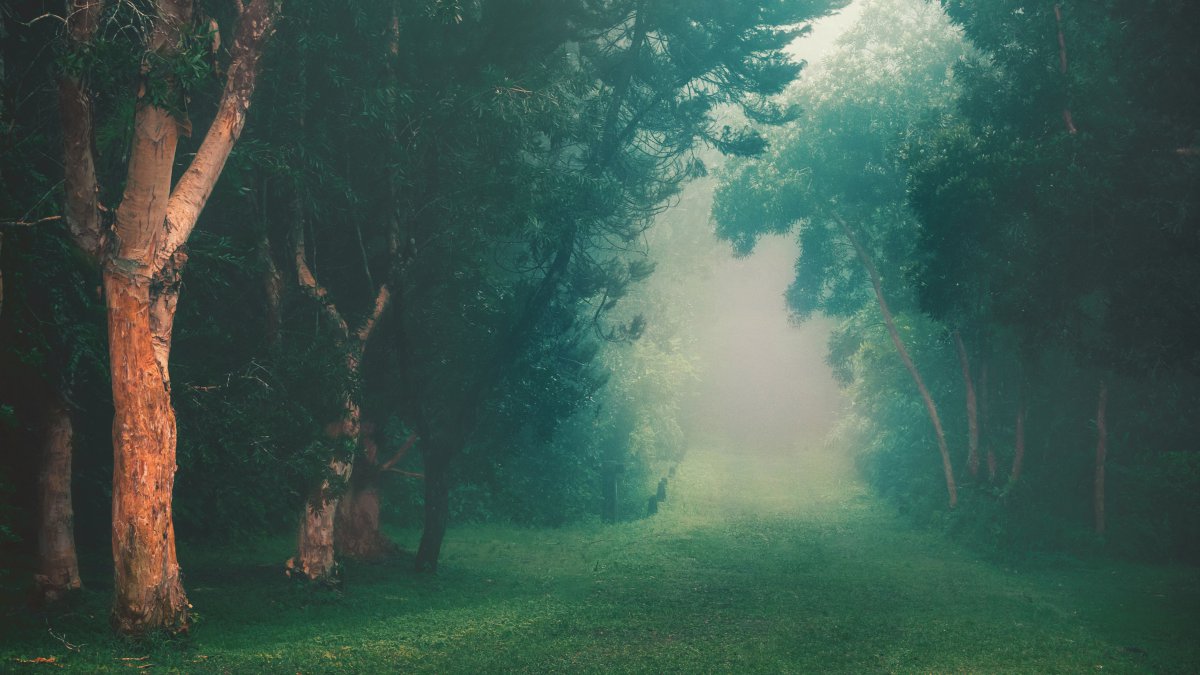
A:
x: 382, y: 298
x: 256, y: 23
x: 408, y: 443
x: 308, y: 282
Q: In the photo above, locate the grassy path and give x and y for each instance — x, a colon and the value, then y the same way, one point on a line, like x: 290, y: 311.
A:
x: 784, y: 565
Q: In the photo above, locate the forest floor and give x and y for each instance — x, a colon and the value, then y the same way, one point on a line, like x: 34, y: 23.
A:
x: 777, y: 565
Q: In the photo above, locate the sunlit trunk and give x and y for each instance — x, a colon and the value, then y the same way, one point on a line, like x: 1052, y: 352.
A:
x: 972, y: 410
x: 58, y: 566
x: 437, y: 508
x: 1101, y: 458
x: 148, y: 594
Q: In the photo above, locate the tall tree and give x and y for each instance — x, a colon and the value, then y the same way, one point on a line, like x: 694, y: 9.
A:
x: 142, y: 257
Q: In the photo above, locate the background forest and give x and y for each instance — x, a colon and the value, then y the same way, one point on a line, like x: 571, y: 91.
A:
x: 423, y: 264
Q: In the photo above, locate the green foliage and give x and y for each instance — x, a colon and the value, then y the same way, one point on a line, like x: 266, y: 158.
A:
x: 787, y: 566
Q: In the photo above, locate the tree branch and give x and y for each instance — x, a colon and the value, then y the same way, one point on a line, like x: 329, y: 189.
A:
x: 82, y: 204
x: 255, y: 24
x: 408, y: 443
x: 308, y: 282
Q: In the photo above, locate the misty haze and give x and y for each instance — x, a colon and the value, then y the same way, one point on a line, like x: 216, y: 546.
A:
x: 599, y: 336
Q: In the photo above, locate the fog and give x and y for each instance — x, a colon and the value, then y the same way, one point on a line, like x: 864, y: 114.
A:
x: 765, y: 386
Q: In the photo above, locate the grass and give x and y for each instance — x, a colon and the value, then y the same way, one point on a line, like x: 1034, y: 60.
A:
x: 772, y: 565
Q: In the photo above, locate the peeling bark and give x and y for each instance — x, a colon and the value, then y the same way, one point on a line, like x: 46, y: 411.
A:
x: 147, y: 587
x: 58, y: 566
x: 141, y: 280
x: 314, y: 549
x: 930, y: 407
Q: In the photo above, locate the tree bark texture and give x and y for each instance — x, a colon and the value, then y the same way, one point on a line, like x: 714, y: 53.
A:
x: 1101, y: 459
x: 58, y: 566
x: 315, y: 559
x: 972, y: 408
x: 889, y: 321
x: 141, y: 271
x: 148, y: 591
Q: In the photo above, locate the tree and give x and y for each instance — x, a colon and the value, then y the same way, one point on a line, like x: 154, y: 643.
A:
x: 141, y: 259
x: 642, y: 79
x: 838, y: 174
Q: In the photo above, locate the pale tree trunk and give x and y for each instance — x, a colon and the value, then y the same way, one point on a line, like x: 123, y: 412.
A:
x: 148, y: 591
x: 1101, y: 458
x: 58, y: 566
x: 315, y: 558
x: 141, y: 282
x: 930, y: 407
x: 972, y: 408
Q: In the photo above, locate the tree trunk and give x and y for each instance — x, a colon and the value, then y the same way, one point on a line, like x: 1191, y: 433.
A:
x: 58, y: 567
x: 314, y: 549
x: 315, y: 554
x: 1101, y: 457
x: 930, y: 407
x: 1019, y: 444
x: 148, y: 594
x: 437, y: 507
x: 972, y: 409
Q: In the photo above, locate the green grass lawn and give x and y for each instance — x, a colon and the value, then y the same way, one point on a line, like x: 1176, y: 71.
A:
x: 782, y: 565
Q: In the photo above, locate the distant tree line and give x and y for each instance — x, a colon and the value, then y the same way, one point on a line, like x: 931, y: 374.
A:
x: 1000, y: 200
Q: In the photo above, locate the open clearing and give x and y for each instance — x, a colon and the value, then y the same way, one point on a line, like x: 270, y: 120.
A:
x: 763, y: 565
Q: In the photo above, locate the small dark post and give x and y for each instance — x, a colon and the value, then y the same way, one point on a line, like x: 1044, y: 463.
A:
x: 652, y: 506
x: 662, y: 490
x: 671, y: 471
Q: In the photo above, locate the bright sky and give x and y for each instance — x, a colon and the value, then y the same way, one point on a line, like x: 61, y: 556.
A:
x: 766, y: 387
